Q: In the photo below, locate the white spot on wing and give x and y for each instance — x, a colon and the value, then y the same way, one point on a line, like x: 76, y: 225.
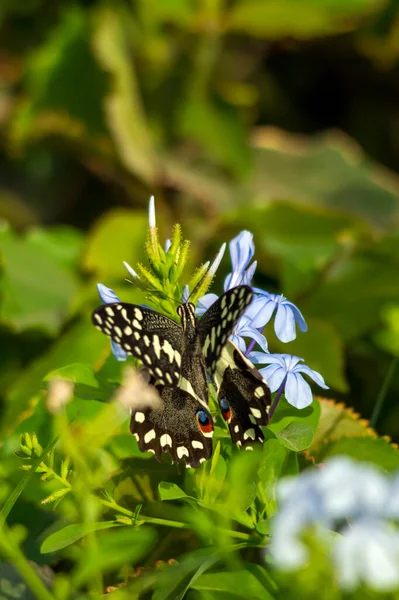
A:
x: 169, y: 351
x: 136, y: 324
x: 259, y: 392
x: 150, y: 435
x: 182, y: 451
x: 128, y: 331
x: 109, y: 311
x: 98, y: 318
x: 166, y: 440
x: 138, y: 314
x: 250, y: 433
x: 256, y: 412
x: 157, y: 346
x: 139, y: 417
x: 196, y: 444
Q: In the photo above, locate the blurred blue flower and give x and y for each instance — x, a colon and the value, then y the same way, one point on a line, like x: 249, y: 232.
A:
x: 349, y: 497
x: 107, y: 295
x: 262, y: 308
x: 285, y: 369
x: 368, y: 553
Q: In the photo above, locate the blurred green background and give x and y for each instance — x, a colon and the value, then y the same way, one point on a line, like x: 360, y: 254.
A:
x: 279, y: 116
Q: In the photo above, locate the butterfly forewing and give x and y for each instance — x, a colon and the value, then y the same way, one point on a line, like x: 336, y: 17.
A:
x: 244, y: 396
x: 218, y: 322
x: 154, y: 339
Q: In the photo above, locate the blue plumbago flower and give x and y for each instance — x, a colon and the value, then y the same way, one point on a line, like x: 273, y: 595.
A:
x: 263, y: 307
x: 284, y: 370
x: 328, y: 498
x: 107, y: 295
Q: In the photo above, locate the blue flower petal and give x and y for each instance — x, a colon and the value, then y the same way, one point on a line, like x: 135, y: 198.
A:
x: 284, y: 324
x: 185, y: 295
x: 260, y: 311
x: 274, y: 375
x: 317, y: 378
x: 297, y: 391
x: 251, y: 332
x: 107, y: 296
x: 249, y: 273
x: 233, y: 280
x: 260, y: 358
x: 239, y: 342
x: 242, y: 249
x: 204, y: 303
x: 118, y: 351
x: 300, y: 321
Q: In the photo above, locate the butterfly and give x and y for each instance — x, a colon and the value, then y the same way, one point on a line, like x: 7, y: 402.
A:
x: 178, y: 357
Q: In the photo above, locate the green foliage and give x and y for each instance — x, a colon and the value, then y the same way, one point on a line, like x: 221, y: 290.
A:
x: 101, y: 105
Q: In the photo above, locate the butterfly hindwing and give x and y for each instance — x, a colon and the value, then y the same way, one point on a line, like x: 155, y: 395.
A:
x: 244, y: 396
x: 181, y: 426
x: 153, y: 338
x: 218, y: 322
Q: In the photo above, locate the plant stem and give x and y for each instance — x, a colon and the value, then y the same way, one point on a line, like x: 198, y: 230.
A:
x: 277, y: 398
x: 169, y: 523
x: 383, y: 392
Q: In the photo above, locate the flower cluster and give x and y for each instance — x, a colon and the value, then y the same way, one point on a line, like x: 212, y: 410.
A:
x: 357, y: 501
x: 284, y: 374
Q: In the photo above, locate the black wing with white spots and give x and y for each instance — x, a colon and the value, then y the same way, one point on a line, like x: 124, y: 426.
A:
x: 217, y: 324
x: 181, y: 426
x: 149, y: 336
x: 244, y: 396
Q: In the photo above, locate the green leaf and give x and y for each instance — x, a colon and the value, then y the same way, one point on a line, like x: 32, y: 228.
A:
x: 218, y: 129
x: 328, y: 171
x: 125, y: 114
x: 115, y: 549
x: 170, y: 491
x: 118, y: 236
x: 236, y: 583
x: 37, y: 288
x: 338, y: 421
x: 52, y: 72
x: 285, y: 414
x: 77, y: 372
x: 296, y: 436
x: 377, y: 451
x: 72, y: 533
x: 62, y: 242
x: 289, y: 18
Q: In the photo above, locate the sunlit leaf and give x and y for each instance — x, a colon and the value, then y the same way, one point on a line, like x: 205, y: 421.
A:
x: 72, y: 533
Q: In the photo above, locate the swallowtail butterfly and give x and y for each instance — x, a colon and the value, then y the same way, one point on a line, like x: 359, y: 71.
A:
x: 176, y: 355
